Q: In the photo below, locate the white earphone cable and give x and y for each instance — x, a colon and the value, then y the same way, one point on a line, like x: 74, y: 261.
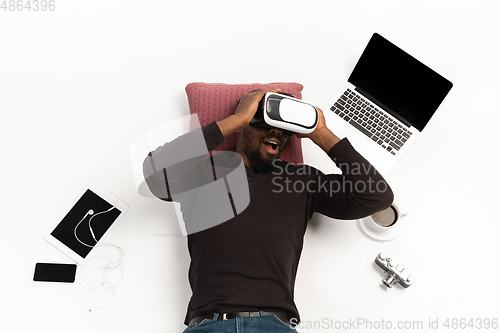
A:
x: 90, y: 212
x: 102, y: 273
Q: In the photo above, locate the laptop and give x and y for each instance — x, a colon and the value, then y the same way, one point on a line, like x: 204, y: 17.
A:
x: 386, y: 103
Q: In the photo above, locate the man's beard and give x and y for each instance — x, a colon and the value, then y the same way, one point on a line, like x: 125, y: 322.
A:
x: 260, y: 163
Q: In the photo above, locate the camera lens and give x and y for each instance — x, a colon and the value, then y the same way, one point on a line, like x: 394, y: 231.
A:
x: 390, y: 280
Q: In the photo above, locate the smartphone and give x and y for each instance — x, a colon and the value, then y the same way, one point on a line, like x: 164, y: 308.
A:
x: 49, y: 272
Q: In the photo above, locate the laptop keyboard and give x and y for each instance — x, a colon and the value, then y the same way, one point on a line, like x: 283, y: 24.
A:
x: 370, y: 120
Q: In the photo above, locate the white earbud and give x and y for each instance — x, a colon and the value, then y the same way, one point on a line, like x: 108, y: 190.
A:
x: 112, y: 265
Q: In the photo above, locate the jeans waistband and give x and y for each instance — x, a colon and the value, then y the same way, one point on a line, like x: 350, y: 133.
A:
x: 232, y: 315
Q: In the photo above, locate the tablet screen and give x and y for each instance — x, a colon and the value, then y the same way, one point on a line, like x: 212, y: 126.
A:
x: 80, y: 230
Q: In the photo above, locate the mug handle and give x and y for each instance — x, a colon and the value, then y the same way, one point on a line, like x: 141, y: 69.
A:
x: 402, y: 211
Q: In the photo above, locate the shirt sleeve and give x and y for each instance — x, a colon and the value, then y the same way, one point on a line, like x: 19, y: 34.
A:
x: 358, y: 192
x: 175, y: 166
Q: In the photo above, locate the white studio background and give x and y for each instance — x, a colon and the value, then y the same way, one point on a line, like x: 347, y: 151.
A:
x: 78, y: 84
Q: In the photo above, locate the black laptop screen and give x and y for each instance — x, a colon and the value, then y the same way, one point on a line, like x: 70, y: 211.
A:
x: 399, y: 83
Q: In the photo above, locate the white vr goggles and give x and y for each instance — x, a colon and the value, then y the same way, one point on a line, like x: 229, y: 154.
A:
x: 285, y: 112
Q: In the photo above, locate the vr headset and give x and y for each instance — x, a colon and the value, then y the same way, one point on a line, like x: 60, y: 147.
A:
x: 285, y: 112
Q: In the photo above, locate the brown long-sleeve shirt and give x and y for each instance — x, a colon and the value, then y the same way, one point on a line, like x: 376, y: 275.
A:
x: 249, y: 262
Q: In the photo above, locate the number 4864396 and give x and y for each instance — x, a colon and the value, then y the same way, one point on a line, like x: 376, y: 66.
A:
x: 28, y: 5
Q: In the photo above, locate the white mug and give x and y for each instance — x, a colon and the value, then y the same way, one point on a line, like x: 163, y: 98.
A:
x: 387, y: 218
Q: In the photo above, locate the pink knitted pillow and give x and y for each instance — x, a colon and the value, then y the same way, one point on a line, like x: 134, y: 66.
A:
x: 216, y: 101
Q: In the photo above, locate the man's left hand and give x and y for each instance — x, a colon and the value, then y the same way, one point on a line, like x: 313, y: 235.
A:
x: 322, y: 136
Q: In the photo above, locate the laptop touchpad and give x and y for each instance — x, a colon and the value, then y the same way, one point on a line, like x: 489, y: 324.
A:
x: 357, y: 140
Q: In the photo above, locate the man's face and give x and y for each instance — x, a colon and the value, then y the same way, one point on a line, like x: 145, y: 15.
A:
x: 262, y: 147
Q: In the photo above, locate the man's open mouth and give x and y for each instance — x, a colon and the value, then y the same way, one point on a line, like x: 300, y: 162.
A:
x: 271, y: 145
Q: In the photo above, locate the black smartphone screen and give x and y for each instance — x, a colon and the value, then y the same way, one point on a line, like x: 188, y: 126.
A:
x: 48, y: 272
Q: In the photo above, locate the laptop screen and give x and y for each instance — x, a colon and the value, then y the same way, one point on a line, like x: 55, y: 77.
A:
x: 399, y: 83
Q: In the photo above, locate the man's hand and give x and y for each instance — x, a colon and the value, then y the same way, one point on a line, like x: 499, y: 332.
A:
x: 249, y: 103
x: 322, y: 136
x: 244, y: 112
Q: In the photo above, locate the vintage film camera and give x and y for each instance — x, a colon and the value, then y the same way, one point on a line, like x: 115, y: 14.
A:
x: 396, y: 273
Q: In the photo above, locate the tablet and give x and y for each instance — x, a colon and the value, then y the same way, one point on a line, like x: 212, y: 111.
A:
x: 87, y: 221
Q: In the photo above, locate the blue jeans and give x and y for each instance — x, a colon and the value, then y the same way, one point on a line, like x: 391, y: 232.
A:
x: 263, y: 324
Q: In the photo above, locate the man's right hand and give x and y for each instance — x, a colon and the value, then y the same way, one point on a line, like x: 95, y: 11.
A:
x: 249, y: 103
x: 244, y: 112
